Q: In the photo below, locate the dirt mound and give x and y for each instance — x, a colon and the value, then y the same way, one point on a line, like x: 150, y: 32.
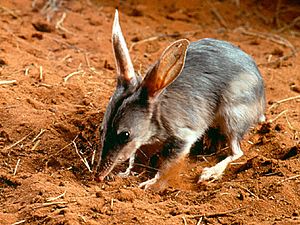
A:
x: 57, y: 73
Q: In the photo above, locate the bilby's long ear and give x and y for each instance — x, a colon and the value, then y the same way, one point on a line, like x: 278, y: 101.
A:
x: 167, y: 68
x: 125, y: 70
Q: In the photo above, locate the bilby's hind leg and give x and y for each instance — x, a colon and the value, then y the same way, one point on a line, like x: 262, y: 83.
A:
x: 216, y: 171
x: 234, y: 122
x: 209, y: 143
x: 214, y: 140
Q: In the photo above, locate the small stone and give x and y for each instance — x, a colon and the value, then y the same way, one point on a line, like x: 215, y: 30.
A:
x: 278, y: 127
x: 37, y: 36
x: 136, y: 13
x: 99, y: 194
x: 2, y: 63
x: 43, y: 27
x: 295, y: 214
x: 240, y: 196
x: 295, y: 88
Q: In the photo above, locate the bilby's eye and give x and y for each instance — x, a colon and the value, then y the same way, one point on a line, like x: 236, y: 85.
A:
x: 123, y: 137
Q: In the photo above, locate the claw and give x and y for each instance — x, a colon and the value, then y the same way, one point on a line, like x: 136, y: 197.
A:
x: 149, y: 184
x: 124, y: 174
x: 128, y: 170
x: 211, y: 173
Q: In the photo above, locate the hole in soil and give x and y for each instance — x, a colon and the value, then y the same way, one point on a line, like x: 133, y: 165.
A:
x: 7, y: 182
x: 292, y: 152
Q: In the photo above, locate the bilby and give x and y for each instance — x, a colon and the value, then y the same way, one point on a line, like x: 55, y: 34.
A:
x: 191, y: 87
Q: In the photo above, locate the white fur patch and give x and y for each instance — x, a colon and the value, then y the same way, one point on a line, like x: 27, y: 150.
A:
x: 189, y: 136
x: 242, y: 83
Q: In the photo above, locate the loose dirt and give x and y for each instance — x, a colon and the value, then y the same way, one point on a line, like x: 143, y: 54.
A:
x: 57, y: 73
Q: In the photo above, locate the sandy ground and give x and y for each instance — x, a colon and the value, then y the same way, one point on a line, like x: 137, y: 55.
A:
x: 57, y: 73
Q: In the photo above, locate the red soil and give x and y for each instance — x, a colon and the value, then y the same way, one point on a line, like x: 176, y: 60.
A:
x: 42, y: 112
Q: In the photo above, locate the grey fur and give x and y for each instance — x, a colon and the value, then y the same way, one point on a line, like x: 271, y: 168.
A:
x: 219, y: 86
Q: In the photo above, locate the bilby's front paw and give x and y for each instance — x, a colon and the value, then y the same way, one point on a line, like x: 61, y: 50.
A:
x: 124, y: 174
x: 154, y: 184
x: 211, y: 173
x: 148, y: 184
